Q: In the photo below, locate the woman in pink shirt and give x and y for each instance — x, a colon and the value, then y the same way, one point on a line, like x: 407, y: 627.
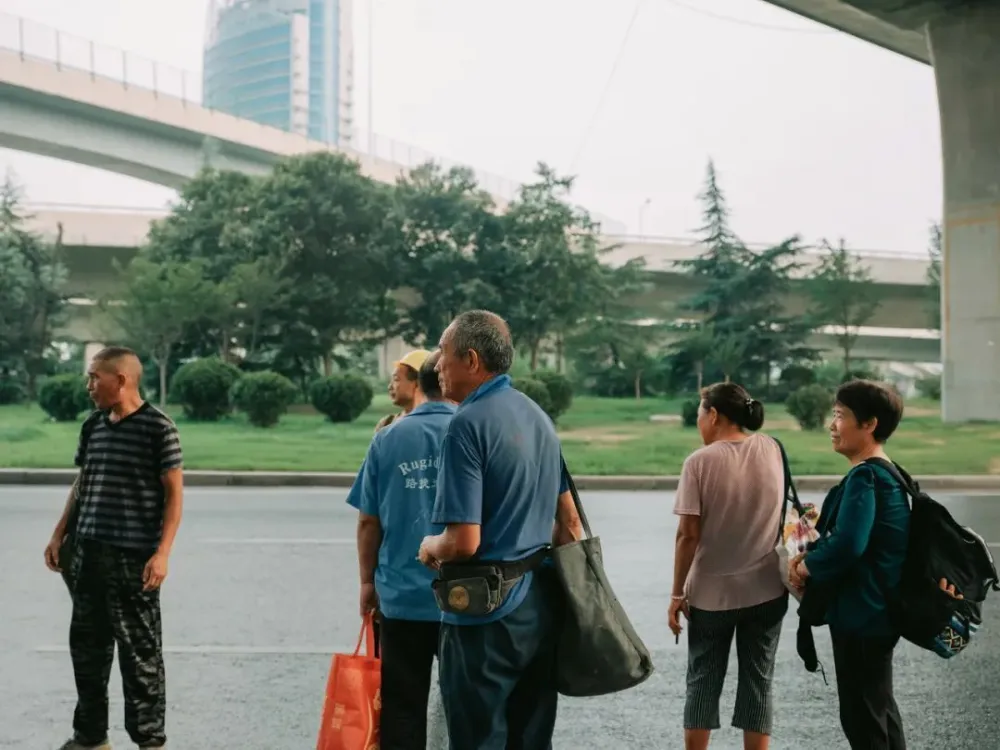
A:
x: 726, y: 579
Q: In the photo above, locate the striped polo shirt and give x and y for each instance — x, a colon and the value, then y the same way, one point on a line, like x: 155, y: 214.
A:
x: 121, y: 468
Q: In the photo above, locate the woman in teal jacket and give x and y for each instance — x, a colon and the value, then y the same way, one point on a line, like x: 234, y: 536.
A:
x: 863, y: 530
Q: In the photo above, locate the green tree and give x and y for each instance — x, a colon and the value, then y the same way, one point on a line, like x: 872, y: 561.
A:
x: 249, y: 295
x: 844, y: 295
x: 546, y: 273
x: 739, y: 302
x: 156, y: 304
x: 934, y: 248
x: 331, y: 226
x: 32, y: 289
x: 440, y: 216
x: 210, y: 224
x: 631, y: 347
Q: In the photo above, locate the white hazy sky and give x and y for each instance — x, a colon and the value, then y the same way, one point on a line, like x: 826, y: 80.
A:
x: 812, y: 131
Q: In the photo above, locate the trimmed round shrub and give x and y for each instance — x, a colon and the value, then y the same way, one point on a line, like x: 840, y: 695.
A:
x: 263, y: 396
x: 928, y: 387
x: 560, y: 390
x: 342, y: 397
x: 11, y: 391
x: 202, y: 388
x: 63, y: 397
x: 810, y: 406
x: 689, y: 412
x: 537, y: 391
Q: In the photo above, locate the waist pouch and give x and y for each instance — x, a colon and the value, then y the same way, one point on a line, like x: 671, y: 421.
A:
x: 477, y: 587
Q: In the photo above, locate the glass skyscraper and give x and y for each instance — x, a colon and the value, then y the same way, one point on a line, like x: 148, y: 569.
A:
x: 284, y: 63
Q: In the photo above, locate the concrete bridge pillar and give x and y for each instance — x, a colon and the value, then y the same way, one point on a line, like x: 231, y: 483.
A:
x: 965, y: 50
x: 90, y: 348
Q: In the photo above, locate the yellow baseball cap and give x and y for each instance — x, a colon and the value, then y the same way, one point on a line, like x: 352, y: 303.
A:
x: 414, y: 359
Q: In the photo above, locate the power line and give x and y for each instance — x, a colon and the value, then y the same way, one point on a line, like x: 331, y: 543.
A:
x: 607, y: 86
x: 745, y: 22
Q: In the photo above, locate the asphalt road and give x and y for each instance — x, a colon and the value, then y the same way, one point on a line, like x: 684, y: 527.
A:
x: 262, y: 590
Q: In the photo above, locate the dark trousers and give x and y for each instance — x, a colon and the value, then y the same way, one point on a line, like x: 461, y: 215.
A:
x: 496, y: 679
x: 868, y: 710
x: 408, y: 648
x: 756, y: 630
x: 110, y: 607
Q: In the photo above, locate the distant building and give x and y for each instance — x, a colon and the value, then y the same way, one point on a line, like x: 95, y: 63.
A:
x: 284, y: 63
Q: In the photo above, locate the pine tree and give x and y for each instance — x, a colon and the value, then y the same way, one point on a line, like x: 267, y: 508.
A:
x: 845, y: 295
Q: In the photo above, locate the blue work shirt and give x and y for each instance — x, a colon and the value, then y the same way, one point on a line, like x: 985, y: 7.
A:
x: 398, y: 485
x: 501, y: 469
x: 354, y: 494
x: 864, y: 527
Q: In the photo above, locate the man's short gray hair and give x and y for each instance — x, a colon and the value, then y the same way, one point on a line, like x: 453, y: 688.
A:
x: 488, y: 335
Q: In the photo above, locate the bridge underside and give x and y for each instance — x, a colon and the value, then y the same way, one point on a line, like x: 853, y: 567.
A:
x: 897, y: 25
x: 961, y: 38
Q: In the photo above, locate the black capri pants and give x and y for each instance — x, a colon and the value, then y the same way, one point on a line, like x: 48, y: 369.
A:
x: 710, y: 636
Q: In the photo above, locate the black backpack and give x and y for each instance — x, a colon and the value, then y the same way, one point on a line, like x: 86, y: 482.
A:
x: 938, y: 547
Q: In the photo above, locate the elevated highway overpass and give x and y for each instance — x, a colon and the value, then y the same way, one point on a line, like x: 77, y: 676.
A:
x: 961, y: 40
x: 94, y: 238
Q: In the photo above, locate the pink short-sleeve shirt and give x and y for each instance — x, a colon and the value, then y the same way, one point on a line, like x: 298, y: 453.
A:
x: 736, y: 487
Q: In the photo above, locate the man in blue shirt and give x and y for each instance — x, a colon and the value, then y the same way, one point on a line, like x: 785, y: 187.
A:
x: 503, y: 501
x: 403, y: 390
x: 397, y: 496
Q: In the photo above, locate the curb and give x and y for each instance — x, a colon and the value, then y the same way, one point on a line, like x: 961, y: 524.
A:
x: 193, y: 478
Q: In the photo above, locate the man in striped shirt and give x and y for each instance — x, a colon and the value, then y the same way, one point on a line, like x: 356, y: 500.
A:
x: 126, y: 503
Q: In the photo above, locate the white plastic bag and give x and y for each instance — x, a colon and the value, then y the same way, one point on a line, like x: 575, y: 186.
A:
x: 796, y: 534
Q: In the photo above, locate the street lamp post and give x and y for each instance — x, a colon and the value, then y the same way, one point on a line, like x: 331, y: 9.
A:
x: 642, y: 215
x: 371, y: 75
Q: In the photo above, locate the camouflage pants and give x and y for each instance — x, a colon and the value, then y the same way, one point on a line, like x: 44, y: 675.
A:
x: 110, y: 607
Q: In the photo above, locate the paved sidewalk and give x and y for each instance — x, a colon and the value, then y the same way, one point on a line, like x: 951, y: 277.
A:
x: 195, y: 478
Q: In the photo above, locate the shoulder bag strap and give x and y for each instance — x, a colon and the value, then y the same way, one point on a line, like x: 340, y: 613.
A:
x: 790, y: 495
x: 576, y: 497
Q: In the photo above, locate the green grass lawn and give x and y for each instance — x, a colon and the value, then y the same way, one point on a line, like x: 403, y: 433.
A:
x: 600, y: 436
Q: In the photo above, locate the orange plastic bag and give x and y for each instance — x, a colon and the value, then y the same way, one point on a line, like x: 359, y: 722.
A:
x: 353, y: 701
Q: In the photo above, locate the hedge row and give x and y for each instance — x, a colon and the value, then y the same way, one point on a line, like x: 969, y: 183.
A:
x: 210, y: 389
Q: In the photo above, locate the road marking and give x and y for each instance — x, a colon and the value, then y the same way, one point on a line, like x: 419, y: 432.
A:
x: 227, y: 650
x: 275, y: 540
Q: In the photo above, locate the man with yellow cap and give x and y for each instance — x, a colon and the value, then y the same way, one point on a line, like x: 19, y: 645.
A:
x: 404, y: 390
x: 403, y: 385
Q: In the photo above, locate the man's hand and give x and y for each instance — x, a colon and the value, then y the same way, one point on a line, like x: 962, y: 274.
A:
x: 52, y: 554
x: 155, y: 572
x: 369, y: 598
x: 949, y: 589
x: 426, y: 556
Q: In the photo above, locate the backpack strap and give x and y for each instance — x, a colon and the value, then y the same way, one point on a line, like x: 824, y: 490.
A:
x: 910, y: 487
x: 790, y: 494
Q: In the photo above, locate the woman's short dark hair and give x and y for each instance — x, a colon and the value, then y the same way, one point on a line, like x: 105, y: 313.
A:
x: 735, y: 403
x: 869, y: 400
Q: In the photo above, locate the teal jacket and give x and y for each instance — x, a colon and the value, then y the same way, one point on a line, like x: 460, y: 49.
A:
x: 862, y: 548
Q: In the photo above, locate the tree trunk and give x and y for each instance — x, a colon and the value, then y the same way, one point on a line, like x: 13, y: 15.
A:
x: 162, y: 363
x: 701, y: 376
x: 727, y: 377
x: 847, y: 360
x: 327, y: 364
x: 559, y: 353
x: 534, y: 355
x: 637, y: 382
